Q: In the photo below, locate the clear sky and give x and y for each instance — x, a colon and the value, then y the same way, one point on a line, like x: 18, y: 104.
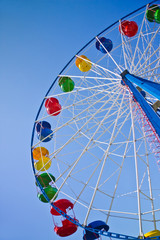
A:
x: 37, y: 39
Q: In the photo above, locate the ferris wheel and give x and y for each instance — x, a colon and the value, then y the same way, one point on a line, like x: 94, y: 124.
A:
x: 96, y: 138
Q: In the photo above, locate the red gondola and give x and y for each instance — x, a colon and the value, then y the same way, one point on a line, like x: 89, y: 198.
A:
x: 52, y: 106
x: 128, y: 28
x: 66, y: 227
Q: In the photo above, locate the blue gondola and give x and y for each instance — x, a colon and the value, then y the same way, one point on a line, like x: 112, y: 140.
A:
x: 99, y: 225
x: 105, y: 46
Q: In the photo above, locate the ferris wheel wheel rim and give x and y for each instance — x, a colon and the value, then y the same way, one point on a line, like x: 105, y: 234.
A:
x: 33, y: 131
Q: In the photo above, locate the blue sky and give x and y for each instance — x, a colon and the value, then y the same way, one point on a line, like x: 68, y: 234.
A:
x: 37, y: 39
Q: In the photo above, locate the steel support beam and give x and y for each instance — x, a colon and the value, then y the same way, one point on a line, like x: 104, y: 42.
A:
x: 152, y: 88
